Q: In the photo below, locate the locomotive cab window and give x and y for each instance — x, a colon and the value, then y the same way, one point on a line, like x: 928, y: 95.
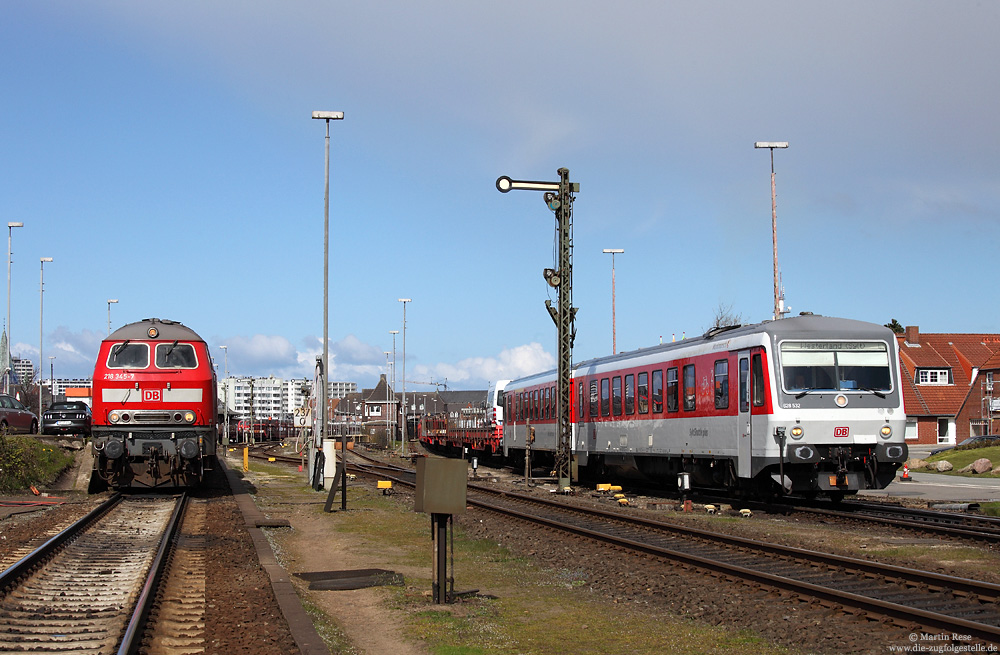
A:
x: 176, y: 355
x: 834, y: 366
x: 128, y: 355
x: 757, y: 380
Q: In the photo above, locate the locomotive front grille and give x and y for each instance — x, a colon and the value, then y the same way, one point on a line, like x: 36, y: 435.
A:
x: 151, y: 417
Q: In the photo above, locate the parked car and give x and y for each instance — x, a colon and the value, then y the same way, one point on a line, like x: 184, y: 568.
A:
x: 67, y: 418
x: 15, y: 417
x: 981, y: 441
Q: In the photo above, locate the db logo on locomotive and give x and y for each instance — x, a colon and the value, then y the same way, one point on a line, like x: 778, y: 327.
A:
x: 151, y: 395
x: 841, y: 432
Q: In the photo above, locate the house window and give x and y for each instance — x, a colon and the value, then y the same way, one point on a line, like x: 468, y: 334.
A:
x: 932, y: 376
x: 943, y: 433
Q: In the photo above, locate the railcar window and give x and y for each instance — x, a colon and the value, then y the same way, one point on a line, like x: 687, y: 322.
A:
x: 744, y: 384
x: 722, y: 384
x: 837, y: 366
x: 757, y: 380
x: 630, y: 394
x: 644, y: 393
x: 657, y: 391
x: 579, y: 401
x: 672, y: 389
x: 593, y: 398
x: 128, y: 355
x: 176, y: 355
x: 605, y: 400
x: 689, y: 395
x: 616, y: 395
x: 535, y: 405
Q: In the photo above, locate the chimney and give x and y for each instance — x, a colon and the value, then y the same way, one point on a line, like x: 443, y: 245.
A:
x: 913, y: 335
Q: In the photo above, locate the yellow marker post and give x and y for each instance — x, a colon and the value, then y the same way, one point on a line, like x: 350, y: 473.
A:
x: 246, y: 459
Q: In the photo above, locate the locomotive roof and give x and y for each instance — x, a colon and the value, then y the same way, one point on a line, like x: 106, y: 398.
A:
x: 808, y: 326
x: 168, y: 330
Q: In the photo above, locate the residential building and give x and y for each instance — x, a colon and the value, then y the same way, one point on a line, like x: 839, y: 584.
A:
x: 947, y: 385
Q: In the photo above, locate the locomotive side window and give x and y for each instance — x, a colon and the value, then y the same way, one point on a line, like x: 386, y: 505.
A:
x: 757, y: 380
x: 128, y: 355
x: 175, y: 355
x: 744, y: 384
x: 689, y: 395
x: 616, y: 395
x: 593, y: 398
x: 722, y: 384
x: 657, y: 391
x: 643, y: 393
x: 630, y: 394
x: 672, y: 389
x: 605, y: 398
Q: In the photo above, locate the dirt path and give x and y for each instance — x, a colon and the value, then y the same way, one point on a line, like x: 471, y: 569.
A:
x: 314, y: 544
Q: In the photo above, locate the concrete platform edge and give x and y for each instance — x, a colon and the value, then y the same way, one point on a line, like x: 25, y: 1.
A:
x: 301, y: 626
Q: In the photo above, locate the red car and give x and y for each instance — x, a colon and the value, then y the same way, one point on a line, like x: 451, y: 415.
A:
x: 15, y: 417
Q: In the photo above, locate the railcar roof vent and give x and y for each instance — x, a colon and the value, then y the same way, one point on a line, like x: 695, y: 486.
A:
x: 719, y: 329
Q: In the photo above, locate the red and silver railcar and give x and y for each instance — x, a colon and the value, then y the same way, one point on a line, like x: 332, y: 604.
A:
x: 154, y: 409
x: 809, y: 405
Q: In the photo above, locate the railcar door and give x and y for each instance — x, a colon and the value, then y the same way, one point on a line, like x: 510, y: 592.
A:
x: 743, y: 417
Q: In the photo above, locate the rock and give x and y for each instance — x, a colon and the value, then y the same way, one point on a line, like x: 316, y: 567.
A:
x: 995, y: 471
x: 942, y: 466
x: 915, y: 464
x: 981, y: 465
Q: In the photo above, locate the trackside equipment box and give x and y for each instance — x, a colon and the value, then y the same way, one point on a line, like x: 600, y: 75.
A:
x: 440, y: 485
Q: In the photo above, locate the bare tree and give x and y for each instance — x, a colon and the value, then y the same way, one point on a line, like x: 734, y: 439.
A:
x: 726, y: 316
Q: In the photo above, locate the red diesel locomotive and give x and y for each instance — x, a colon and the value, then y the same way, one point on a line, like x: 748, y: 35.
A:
x: 155, y: 408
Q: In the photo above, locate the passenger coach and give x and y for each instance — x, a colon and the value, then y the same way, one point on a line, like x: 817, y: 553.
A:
x: 154, y: 407
x: 804, y: 405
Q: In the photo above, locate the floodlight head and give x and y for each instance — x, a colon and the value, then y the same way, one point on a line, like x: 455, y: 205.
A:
x: 614, y: 251
x: 46, y: 259
x: 112, y: 300
x: 770, y: 144
x: 18, y: 224
x: 329, y: 115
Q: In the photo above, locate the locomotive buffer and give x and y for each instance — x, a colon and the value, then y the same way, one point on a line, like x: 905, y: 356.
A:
x: 559, y: 198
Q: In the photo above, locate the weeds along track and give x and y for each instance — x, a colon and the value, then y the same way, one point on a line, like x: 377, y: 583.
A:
x: 89, y: 588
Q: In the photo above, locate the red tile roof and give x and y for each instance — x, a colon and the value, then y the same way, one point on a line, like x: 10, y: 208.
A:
x: 962, y: 353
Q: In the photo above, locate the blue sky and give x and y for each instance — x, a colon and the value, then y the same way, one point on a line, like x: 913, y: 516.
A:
x: 163, y: 154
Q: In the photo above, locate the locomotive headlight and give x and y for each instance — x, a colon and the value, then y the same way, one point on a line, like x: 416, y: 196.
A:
x: 114, y: 417
x: 841, y: 400
x: 796, y: 432
x: 189, y: 417
x: 886, y: 431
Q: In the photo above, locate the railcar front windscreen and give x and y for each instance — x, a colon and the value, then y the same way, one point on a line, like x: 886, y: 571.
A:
x: 837, y: 366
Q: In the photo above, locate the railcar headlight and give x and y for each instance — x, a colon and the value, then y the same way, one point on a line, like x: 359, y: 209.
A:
x: 114, y: 417
x: 189, y: 417
x: 796, y: 432
x: 886, y: 431
x: 841, y: 400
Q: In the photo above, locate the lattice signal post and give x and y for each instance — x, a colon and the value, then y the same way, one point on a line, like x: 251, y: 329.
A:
x: 559, y: 198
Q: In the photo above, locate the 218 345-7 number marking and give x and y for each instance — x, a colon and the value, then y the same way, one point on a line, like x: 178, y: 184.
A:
x: 117, y: 377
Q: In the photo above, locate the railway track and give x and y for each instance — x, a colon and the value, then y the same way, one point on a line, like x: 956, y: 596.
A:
x: 912, y: 598
x: 89, y: 588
